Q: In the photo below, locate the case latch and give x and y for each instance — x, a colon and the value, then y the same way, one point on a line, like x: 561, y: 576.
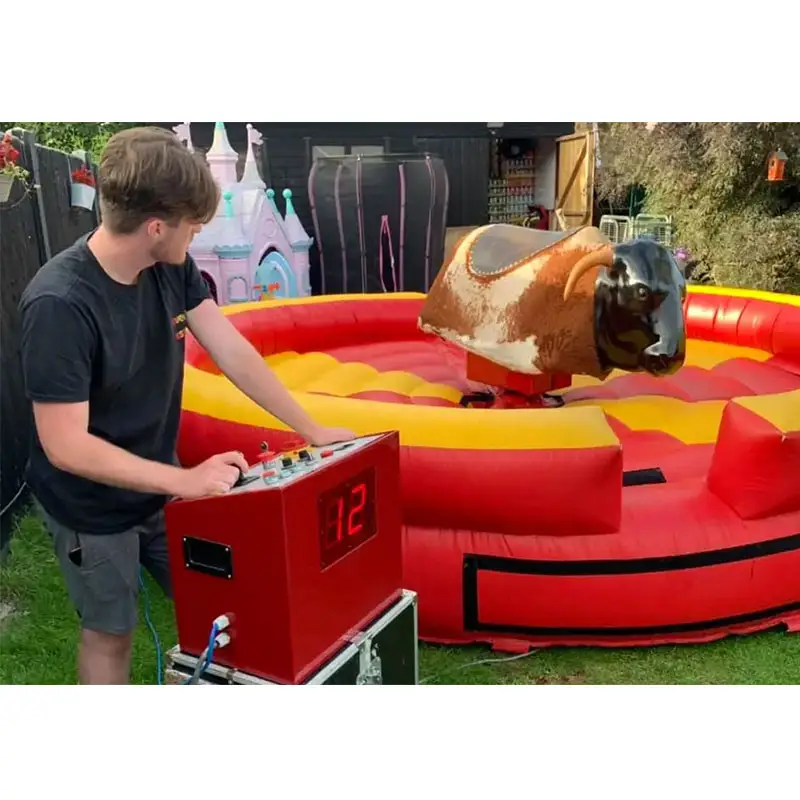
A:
x: 369, y: 664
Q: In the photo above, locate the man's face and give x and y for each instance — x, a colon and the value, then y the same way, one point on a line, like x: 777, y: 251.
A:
x: 170, y: 243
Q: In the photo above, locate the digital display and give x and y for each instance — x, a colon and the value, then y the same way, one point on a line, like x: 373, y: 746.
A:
x: 346, y: 517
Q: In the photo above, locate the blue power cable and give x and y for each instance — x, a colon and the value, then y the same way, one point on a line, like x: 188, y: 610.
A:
x: 159, y: 675
x: 211, y: 643
x: 212, y: 639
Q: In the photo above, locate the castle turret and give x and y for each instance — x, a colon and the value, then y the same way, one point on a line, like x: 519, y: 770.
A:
x: 251, y: 176
x: 300, y: 243
x: 184, y: 133
x: 296, y: 233
x: 233, y: 249
x: 222, y: 158
x: 273, y: 206
x: 252, y: 185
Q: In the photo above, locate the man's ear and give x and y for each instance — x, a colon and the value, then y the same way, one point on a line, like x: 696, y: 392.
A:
x: 154, y: 227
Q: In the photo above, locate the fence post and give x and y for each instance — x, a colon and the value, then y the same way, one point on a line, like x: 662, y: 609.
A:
x: 96, y: 208
x: 19, y: 493
x: 29, y: 140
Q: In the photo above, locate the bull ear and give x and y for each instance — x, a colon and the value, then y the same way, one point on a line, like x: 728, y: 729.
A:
x: 615, y: 269
x: 684, y: 266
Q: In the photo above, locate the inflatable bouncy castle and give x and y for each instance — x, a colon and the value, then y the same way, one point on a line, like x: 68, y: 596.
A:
x: 592, y: 452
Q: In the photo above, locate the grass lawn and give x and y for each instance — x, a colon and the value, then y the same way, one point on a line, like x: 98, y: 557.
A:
x: 37, y: 642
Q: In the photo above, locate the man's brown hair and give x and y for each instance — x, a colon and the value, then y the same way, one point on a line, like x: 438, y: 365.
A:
x: 148, y: 172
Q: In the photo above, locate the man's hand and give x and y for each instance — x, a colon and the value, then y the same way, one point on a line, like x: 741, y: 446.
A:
x: 213, y: 477
x: 322, y: 436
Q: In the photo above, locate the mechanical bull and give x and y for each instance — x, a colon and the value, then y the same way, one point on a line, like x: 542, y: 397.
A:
x: 568, y: 303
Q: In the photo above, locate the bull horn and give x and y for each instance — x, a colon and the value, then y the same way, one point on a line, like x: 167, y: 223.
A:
x: 604, y: 257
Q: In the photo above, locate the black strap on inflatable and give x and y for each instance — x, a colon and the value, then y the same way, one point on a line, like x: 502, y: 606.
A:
x: 476, y: 397
x: 553, y: 400
x: 643, y: 477
x: 488, y: 399
x: 474, y: 564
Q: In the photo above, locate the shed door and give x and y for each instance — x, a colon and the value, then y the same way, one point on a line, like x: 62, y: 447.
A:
x: 575, y: 180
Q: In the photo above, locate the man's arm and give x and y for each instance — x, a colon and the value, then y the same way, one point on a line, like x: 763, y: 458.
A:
x: 243, y: 364
x: 245, y: 367
x: 57, y: 352
x: 68, y: 445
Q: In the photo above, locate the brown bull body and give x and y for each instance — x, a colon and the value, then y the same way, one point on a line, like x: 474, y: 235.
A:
x: 505, y: 294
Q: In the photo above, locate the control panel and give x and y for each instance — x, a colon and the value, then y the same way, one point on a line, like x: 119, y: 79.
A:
x: 304, y: 549
x: 278, y: 469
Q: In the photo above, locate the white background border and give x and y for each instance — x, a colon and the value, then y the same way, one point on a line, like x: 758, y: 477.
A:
x: 376, y: 62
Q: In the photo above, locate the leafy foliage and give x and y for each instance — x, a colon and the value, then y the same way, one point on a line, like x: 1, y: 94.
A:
x: 8, y: 160
x: 712, y: 179
x: 69, y: 136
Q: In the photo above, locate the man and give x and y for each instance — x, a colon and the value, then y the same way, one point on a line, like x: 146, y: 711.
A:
x: 103, y: 363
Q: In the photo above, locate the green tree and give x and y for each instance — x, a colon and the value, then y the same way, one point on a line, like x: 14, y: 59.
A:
x: 712, y: 179
x: 69, y: 136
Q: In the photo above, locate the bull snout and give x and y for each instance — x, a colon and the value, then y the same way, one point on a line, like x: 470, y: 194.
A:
x: 663, y: 359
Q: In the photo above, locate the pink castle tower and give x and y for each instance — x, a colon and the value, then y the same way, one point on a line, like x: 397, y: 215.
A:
x: 249, y: 251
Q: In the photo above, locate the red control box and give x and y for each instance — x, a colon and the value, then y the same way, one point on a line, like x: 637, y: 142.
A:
x: 302, y: 553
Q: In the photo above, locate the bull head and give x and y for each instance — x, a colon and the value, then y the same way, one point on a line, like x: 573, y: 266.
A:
x: 638, y: 303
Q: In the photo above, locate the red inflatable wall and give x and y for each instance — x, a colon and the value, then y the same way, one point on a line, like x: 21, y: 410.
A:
x: 746, y: 322
x: 538, y: 547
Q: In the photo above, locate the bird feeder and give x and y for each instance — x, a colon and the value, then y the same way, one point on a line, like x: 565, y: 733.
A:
x: 777, y: 166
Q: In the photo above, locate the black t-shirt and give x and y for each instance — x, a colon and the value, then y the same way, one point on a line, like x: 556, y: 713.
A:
x: 87, y: 337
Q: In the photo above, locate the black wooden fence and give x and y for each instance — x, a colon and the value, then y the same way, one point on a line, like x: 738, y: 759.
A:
x: 36, y: 222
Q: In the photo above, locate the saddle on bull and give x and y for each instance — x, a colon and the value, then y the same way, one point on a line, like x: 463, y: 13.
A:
x: 532, y: 308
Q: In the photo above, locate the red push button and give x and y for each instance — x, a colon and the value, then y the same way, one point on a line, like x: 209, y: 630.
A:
x: 326, y: 453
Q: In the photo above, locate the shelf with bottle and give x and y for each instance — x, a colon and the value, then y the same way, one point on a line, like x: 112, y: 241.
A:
x: 504, y: 201
x: 511, y: 193
x: 511, y: 211
x: 512, y: 182
x: 522, y: 165
x: 512, y: 185
x: 507, y: 217
x: 513, y: 205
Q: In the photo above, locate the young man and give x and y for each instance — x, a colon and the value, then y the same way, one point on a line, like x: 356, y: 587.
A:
x: 103, y: 368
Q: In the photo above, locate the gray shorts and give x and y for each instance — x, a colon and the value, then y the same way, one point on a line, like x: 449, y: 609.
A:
x: 104, y: 585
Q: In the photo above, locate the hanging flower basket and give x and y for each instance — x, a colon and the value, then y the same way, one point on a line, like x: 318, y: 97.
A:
x: 6, y: 182
x: 9, y: 169
x: 83, y: 188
